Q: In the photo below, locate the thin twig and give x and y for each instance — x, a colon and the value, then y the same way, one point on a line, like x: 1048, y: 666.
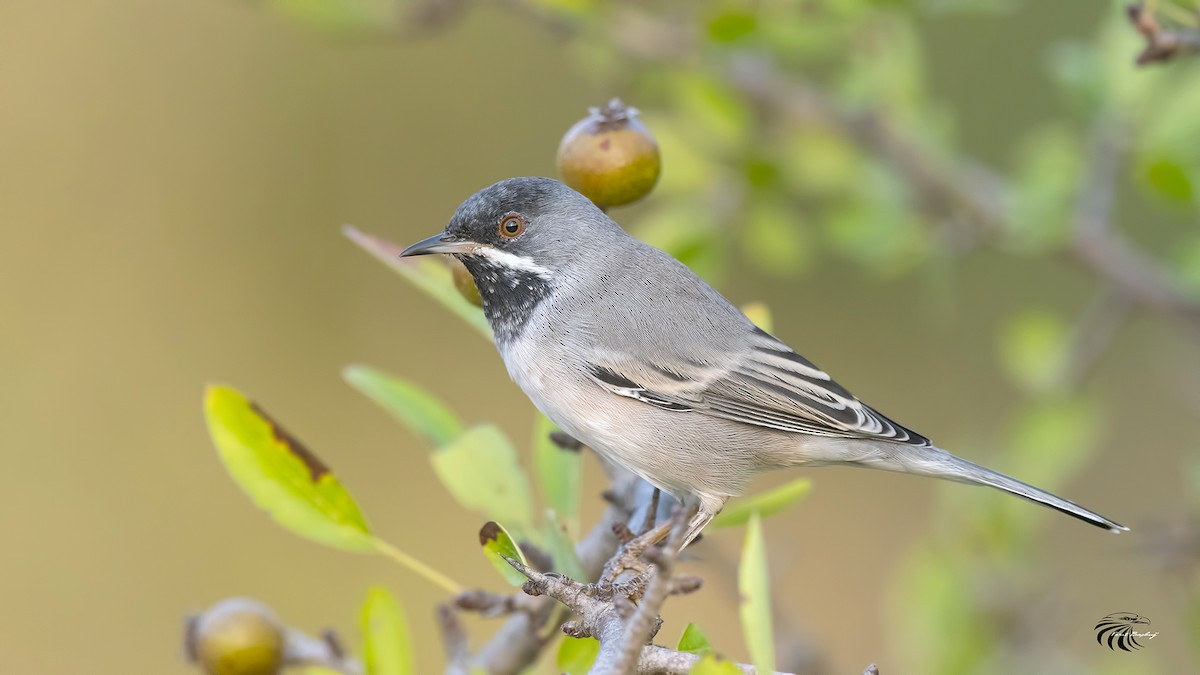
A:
x: 1162, y: 44
x: 301, y: 649
x: 491, y: 605
x: 454, y: 641
x: 1094, y: 332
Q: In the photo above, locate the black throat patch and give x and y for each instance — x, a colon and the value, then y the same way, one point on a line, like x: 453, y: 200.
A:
x: 509, y: 294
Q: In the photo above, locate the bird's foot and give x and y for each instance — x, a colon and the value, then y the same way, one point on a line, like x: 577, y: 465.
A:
x: 630, y: 587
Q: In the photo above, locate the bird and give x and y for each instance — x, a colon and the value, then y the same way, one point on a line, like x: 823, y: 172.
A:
x: 626, y: 349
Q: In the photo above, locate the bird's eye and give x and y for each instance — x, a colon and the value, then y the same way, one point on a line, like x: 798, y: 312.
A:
x: 512, y: 225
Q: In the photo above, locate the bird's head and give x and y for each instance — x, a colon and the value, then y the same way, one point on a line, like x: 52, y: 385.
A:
x: 519, y: 238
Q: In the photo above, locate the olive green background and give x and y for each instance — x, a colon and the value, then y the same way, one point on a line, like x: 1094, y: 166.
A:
x: 172, y: 179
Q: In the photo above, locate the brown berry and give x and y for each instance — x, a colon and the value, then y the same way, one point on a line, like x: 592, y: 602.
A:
x: 464, y: 282
x: 237, y: 636
x: 610, y: 156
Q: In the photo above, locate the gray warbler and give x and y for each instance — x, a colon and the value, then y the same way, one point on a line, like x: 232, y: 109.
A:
x: 626, y: 349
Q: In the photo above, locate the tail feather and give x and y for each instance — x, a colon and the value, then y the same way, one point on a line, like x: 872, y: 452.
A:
x: 938, y: 463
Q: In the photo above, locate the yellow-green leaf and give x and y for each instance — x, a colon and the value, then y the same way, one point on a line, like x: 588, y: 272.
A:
x: 498, y: 545
x: 560, y: 547
x: 694, y: 641
x: 417, y: 409
x: 754, y: 585
x: 759, y: 314
x: 713, y: 665
x: 775, y: 239
x: 387, y: 641
x: 764, y: 504
x: 481, y: 470
x: 576, y: 655
x: 1034, y: 348
x: 560, y: 473
x: 429, y: 275
x: 281, y: 476
x: 341, y: 17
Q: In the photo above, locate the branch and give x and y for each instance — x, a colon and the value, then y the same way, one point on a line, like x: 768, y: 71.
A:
x: 640, y: 627
x: 1162, y: 44
x: 601, y: 617
x: 454, y: 641
x: 970, y: 194
x: 301, y: 649
x: 518, y: 642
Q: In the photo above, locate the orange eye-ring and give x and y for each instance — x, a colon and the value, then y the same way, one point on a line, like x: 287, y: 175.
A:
x: 512, y: 225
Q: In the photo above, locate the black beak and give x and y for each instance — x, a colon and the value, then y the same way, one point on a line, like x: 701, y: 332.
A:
x: 438, y: 243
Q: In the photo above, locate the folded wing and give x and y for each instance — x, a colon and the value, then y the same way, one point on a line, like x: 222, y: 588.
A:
x: 767, y: 385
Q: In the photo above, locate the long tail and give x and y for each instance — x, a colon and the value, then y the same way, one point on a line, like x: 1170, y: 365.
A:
x: 941, y: 464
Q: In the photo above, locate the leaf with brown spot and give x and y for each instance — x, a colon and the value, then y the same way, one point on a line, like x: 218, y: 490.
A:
x: 281, y: 475
x: 498, y: 545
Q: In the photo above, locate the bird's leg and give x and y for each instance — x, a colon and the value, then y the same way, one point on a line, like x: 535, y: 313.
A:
x: 630, y: 557
x: 698, y: 522
x: 651, y: 512
x: 634, y: 556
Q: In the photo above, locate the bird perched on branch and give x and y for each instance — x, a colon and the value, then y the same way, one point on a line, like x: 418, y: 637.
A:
x: 627, y: 350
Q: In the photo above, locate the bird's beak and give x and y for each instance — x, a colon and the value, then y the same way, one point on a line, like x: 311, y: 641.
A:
x: 438, y: 243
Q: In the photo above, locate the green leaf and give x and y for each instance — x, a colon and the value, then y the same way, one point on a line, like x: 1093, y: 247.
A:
x: 481, y: 470
x: 692, y: 168
x: 1168, y: 178
x: 879, y: 230
x: 387, y: 641
x: 560, y: 473
x: 498, y: 545
x: 715, y: 114
x: 426, y: 274
x: 558, y: 543
x: 731, y: 25
x: 754, y: 585
x: 820, y: 161
x: 1050, y: 441
x: 689, y: 232
x: 1047, y: 174
x: 694, y: 641
x: 764, y: 504
x: 937, y: 615
x: 281, y: 476
x: 1034, y: 349
x: 713, y: 665
x: 415, y: 408
x: 341, y: 16
x: 576, y: 655
x: 775, y: 239
x: 759, y: 314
